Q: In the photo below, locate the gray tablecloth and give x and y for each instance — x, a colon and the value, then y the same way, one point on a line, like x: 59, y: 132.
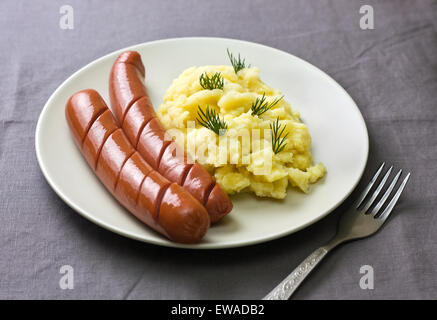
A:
x: 390, y: 71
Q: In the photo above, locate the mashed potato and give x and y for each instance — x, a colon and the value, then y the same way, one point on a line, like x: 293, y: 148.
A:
x: 242, y: 159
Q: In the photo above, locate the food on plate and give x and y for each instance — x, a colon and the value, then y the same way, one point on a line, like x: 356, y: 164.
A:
x: 230, y: 103
x: 162, y: 205
x: 135, y: 114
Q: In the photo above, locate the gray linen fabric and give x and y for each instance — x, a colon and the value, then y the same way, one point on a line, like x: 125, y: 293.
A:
x: 390, y: 71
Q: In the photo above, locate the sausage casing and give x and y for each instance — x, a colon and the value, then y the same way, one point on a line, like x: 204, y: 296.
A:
x: 135, y: 113
x: 161, y: 204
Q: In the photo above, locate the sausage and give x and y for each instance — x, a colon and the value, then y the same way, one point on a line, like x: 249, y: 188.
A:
x: 161, y: 204
x: 135, y: 114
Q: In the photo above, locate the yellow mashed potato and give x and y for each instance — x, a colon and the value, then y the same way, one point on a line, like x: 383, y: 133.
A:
x: 243, y: 167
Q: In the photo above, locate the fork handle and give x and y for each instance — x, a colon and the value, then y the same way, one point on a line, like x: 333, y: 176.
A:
x: 286, y: 288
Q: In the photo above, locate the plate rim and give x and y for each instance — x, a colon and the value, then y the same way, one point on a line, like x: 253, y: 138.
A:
x: 199, y: 246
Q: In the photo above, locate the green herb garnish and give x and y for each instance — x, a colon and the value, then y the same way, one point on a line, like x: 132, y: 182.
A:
x: 211, y: 120
x: 237, y: 63
x: 278, y: 142
x: 261, y: 105
x: 214, y: 82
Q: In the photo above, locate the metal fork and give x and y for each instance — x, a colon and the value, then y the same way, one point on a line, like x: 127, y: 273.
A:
x: 356, y: 223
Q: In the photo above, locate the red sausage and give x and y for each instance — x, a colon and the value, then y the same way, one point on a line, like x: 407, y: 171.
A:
x: 162, y: 205
x: 135, y: 113
x: 154, y: 136
x: 135, y: 120
x: 128, y: 76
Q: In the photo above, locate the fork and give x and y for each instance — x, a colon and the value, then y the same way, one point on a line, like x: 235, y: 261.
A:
x: 358, y: 222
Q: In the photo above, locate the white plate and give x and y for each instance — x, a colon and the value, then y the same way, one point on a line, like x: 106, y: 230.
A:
x: 339, y: 134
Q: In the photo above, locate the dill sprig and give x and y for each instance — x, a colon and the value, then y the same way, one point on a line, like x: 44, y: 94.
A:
x: 211, y: 120
x: 237, y: 63
x: 261, y: 105
x: 278, y: 142
x: 214, y: 82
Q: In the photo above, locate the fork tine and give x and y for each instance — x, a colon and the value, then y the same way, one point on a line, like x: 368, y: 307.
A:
x: 378, y: 190
x: 369, y: 186
x: 384, y: 215
x: 386, y: 194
